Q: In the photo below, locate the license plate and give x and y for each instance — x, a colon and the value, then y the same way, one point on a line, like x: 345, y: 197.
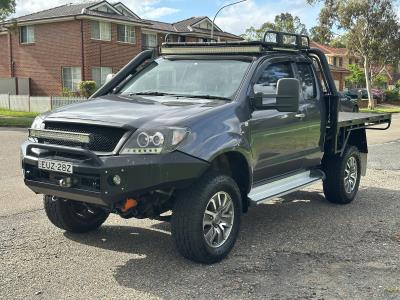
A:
x: 55, y: 166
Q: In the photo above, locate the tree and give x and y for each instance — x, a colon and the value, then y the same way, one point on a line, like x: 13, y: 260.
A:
x: 380, y: 81
x: 7, y: 7
x: 356, y: 77
x: 373, y: 31
x: 321, y: 34
x: 283, y: 22
x: 339, y: 41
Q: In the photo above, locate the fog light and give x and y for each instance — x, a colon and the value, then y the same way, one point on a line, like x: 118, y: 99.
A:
x: 117, y: 180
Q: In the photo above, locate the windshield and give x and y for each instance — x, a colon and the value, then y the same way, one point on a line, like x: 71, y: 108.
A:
x: 189, y: 78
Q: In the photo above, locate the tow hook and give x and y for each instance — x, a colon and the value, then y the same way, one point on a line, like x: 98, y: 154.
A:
x: 65, y: 182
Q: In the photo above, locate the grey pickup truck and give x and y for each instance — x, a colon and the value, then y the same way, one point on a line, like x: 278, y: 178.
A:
x: 195, y: 137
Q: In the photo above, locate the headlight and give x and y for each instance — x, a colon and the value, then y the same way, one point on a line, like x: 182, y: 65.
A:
x: 37, y: 124
x: 155, y: 141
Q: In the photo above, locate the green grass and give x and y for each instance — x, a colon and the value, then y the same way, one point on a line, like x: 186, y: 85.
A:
x: 9, y: 118
x: 381, y: 110
x: 15, y: 121
x: 11, y: 113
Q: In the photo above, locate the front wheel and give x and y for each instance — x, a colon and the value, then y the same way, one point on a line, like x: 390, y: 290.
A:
x: 206, y: 219
x: 74, y: 216
x: 343, y: 174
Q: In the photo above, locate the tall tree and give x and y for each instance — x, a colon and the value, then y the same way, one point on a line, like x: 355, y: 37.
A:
x: 7, y: 7
x: 321, y: 34
x: 283, y: 22
x: 373, y: 31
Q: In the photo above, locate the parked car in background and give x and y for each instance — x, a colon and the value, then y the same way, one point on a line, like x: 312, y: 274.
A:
x: 348, y: 103
x: 377, y: 94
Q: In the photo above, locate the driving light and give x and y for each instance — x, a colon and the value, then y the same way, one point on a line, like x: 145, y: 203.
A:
x: 149, y: 141
x: 117, y: 180
x: 201, y: 49
x: 83, y: 138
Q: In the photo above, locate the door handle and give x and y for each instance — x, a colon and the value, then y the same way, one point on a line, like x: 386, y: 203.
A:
x: 300, y: 115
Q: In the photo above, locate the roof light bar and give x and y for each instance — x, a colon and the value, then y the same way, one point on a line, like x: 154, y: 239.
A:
x: 82, y: 138
x: 205, y: 49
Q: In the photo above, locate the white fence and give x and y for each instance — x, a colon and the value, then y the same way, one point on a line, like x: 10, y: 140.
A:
x: 35, y: 103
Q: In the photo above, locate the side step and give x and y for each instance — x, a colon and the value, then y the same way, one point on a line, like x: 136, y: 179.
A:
x: 283, y: 186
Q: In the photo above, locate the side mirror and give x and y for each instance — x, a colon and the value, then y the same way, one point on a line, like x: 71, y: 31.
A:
x: 287, y: 96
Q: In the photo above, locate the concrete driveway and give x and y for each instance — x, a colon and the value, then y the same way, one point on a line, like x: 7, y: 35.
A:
x: 306, y: 248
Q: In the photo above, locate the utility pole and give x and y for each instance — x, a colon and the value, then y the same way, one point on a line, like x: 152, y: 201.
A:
x: 213, y: 22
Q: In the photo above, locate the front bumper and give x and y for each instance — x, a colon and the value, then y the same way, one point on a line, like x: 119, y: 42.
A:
x: 92, y: 177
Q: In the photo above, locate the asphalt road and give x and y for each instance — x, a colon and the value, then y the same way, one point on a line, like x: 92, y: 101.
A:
x: 305, y: 248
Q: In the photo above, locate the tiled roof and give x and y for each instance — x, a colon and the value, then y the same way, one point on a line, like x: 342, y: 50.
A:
x: 328, y: 49
x: 69, y: 10
x: 157, y: 25
x: 185, y: 26
x: 84, y: 9
x: 59, y: 11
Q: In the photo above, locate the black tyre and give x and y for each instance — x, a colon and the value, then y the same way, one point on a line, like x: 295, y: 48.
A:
x: 342, y: 176
x: 206, y: 218
x: 74, y: 216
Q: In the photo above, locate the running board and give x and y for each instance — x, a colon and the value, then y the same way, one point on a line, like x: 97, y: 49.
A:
x: 283, y: 186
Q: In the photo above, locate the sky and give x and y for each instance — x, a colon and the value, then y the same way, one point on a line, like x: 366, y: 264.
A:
x: 234, y: 19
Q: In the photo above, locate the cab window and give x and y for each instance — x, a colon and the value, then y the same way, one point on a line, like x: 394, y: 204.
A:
x: 268, y: 80
x: 307, y: 82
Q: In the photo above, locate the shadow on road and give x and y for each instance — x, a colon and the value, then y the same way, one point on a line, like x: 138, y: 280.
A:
x: 299, y: 242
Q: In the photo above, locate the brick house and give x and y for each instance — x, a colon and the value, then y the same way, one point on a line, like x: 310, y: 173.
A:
x: 62, y: 46
x: 338, y: 59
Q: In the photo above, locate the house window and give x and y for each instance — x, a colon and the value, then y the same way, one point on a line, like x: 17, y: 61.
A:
x: 99, y: 74
x: 340, y: 61
x: 126, y: 34
x: 27, y: 34
x: 71, y: 77
x: 149, y: 40
x: 101, y: 31
x: 335, y: 61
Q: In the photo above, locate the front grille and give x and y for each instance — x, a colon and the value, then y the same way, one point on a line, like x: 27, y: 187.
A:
x: 104, y: 139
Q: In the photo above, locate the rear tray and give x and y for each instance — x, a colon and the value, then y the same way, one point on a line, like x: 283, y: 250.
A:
x: 367, y: 119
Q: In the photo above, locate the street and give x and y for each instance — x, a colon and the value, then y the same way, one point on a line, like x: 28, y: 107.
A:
x: 303, y: 248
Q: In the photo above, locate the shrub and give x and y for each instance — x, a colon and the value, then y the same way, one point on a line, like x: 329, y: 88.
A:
x: 392, y: 95
x: 66, y: 92
x: 87, y: 88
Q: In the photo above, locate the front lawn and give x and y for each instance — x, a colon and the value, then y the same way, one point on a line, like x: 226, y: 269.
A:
x: 9, y: 118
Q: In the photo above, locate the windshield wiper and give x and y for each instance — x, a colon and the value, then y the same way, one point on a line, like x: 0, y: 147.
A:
x: 150, y: 93
x: 205, y: 97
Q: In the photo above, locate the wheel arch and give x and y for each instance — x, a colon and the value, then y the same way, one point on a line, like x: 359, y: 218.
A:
x: 236, y: 165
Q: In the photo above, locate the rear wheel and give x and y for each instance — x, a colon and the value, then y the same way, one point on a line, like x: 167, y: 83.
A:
x: 343, y: 174
x: 206, y: 219
x: 74, y: 216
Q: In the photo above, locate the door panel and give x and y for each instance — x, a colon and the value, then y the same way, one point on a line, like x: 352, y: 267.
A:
x: 274, y: 143
x: 310, y: 106
x: 274, y: 134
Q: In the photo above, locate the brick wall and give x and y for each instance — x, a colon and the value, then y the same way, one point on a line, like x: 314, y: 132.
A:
x: 339, y: 76
x: 4, y: 56
x: 56, y: 45
x: 108, y: 53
